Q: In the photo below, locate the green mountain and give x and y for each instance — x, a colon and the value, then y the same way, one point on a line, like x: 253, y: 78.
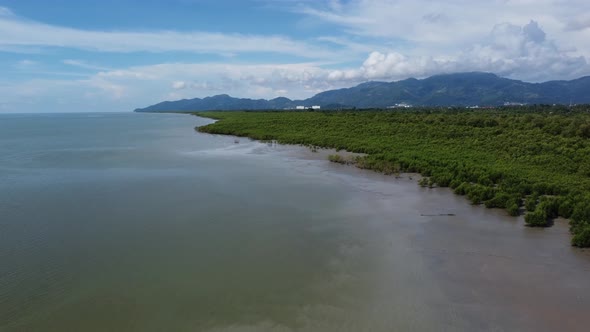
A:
x: 461, y: 89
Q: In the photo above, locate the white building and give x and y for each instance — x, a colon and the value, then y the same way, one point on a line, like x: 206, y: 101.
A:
x: 401, y: 105
x: 307, y: 108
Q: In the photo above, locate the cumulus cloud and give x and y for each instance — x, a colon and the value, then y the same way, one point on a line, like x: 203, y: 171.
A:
x: 428, y: 26
x: 521, y: 52
x: 525, y: 52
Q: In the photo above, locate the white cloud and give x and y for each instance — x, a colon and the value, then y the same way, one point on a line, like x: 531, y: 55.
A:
x: 83, y: 64
x: 245, y: 80
x: 16, y: 32
x: 581, y: 22
x: 509, y: 50
x: 426, y: 26
x: 127, y: 89
x: 179, y: 85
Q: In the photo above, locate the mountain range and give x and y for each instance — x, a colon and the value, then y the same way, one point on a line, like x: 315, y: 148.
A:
x: 459, y: 89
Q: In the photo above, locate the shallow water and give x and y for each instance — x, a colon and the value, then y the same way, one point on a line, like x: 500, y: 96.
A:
x: 135, y: 222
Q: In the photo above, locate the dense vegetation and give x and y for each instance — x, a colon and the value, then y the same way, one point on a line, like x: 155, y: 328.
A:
x: 528, y: 160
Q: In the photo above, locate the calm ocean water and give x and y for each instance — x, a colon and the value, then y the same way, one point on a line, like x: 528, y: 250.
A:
x: 135, y: 222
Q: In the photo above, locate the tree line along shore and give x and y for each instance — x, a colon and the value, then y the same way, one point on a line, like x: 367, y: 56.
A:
x: 526, y: 160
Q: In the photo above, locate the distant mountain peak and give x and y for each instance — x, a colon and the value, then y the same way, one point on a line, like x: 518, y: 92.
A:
x: 220, y: 96
x: 469, y: 73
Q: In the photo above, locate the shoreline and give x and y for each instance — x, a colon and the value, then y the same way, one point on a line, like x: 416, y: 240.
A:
x: 320, y: 153
x: 486, y: 267
x: 445, y: 151
x: 302, y: 152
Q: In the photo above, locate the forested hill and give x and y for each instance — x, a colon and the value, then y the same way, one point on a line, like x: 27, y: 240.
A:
x: 462, y: 89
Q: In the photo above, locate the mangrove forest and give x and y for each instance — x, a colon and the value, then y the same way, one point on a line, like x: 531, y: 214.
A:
x: 527, y: 160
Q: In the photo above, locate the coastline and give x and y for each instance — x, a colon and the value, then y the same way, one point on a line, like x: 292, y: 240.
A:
x: 323, y: 154
x: 320, y: 153
x: 455, y: 151
x: 476, y: 262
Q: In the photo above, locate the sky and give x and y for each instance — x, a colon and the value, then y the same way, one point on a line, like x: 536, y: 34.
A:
x: 118, y: 55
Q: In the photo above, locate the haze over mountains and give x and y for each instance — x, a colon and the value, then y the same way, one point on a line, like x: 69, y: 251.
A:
x: 460, y: 89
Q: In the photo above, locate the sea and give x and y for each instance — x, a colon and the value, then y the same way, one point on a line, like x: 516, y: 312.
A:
x: 137, y: 222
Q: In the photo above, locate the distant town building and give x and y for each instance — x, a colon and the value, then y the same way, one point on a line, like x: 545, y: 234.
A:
x: 401, y: 105
x: 315, y: 107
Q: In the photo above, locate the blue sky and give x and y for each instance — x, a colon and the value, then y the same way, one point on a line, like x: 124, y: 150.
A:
x: 68, y: 56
